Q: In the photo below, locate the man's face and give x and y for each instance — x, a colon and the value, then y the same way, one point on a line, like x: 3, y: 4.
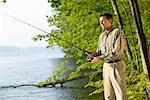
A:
x: 105, y: 23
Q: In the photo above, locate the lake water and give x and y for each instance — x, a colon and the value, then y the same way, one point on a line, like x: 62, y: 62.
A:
x: 31, y: 67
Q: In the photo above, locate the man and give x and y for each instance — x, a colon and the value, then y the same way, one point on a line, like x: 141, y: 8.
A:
x: 111, y: 46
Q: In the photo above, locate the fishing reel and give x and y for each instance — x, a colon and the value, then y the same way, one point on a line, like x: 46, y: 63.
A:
x: 89, y: 59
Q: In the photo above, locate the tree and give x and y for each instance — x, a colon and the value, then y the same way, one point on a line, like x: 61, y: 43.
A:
x: 141, y: 37
x: 116, y: 11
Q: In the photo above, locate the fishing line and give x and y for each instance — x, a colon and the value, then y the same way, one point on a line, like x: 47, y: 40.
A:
x: 45, y: 32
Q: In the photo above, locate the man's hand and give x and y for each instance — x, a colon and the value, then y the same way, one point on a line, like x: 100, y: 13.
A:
x: 90, y: 54
x: 95, y: 59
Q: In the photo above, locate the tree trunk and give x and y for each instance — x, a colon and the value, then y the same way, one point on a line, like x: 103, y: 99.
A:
x: 61, y: 82
x: 116, y: 11
x: 132, y: 36
x: 141, y: 36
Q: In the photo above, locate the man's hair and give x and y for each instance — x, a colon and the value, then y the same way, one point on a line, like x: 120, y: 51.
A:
x: 107, y: 15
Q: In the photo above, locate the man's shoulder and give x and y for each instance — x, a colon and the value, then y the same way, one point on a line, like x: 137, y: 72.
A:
x: 116, y: 30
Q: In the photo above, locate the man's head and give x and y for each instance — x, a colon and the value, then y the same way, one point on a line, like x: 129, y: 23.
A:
x: 105, y: 20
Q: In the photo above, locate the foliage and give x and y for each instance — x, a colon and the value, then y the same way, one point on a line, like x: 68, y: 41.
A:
x: 3, y: 1
x: 138, y: 86
x: 76, y: 22
x: 94, y: 78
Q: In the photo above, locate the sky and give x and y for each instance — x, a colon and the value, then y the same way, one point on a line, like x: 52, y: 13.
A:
x: 15, y: 33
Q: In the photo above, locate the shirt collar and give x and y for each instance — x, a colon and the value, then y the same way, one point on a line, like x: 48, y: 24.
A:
x: 107, y: 33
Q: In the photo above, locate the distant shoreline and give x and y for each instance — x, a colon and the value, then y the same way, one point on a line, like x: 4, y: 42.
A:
x: 29, y: 49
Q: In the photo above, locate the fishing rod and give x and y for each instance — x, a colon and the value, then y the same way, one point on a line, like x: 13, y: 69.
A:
x: 90, y: 54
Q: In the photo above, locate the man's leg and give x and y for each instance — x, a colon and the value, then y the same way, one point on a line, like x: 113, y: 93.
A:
x: 118, y: 81
x: 108, y: 88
